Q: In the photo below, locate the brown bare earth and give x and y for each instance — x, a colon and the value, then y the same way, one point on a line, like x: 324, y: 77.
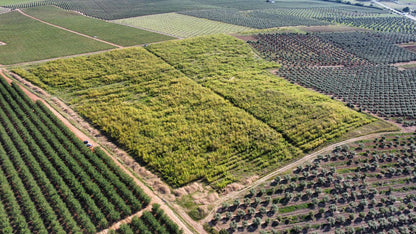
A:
x: 246, y: 37
x: 98, y: 139
x: 409, y: 46
x: 405, y: 65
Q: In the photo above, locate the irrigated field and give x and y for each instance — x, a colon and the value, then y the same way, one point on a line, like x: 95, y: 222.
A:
x: 28, y: 40
x: 50, y: 182
x: 181, y: 25
x: 115, y: 33
x: 183, y: 131
x: 228, y: 66
x: 364, y: 187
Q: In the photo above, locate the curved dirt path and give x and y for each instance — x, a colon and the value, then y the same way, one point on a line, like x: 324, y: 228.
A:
x: 290, y: 166
x: 69, y: 30
x: 154, y: 197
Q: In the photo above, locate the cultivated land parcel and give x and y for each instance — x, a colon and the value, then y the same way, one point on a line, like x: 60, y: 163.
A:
x: 247, y: 118
x: 208, y: 115
x: 27, y: 40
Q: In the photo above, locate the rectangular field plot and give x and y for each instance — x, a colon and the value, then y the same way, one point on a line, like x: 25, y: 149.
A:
x: 115, y: 33
x: 228, y: 66
x: 182, y: 25
x: 29, y: 40
x: 181, y: 130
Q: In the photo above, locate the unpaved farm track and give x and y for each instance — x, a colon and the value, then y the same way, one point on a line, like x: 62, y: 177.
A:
x: 154, y: 198
x: 71, y: 31
x: 291, y: 166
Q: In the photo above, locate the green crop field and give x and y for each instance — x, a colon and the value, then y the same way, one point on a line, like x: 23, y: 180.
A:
x: 228, y: 66
x: 115, y: 33
x: 9, y: 2
x: 181, y: 25
x: 183, y: 131
x: 29, y: 40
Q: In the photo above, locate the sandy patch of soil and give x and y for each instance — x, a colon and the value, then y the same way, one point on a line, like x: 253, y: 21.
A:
x: 405, y: 65
x: 410, y: 46
x: 246, y: 37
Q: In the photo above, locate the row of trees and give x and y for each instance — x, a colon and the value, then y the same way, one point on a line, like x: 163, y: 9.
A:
x: 155, y: 221
x: 338, y: 189
x: 350, y: 66
x: 44, y: 156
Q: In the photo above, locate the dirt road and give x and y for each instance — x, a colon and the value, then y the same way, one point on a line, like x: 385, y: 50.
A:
x: 71, y: 31
x: 291, y: 166
x: 154, y: 197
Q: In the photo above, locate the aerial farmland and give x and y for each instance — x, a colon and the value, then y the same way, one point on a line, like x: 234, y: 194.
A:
x: 190, y: 116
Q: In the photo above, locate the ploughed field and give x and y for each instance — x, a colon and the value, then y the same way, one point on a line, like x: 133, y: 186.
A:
x: 213, y: 113
x: 363, y: 187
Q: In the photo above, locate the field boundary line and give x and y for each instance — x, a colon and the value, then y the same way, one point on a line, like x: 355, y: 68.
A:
x: 68, y: 30
x: 56, y: 58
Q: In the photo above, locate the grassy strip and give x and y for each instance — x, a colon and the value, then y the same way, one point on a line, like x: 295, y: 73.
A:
x: 29, y: 40
x: 115, y: 33
x: 288, y: 209
x: 228, y: 66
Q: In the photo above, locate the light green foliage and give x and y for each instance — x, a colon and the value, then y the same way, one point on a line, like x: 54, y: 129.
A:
x: 115, y: 33
x: 9, y: 2
x: 178, y: 128
x: 229, y: 67
x: 28, y: 40
x: 182, y: 25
